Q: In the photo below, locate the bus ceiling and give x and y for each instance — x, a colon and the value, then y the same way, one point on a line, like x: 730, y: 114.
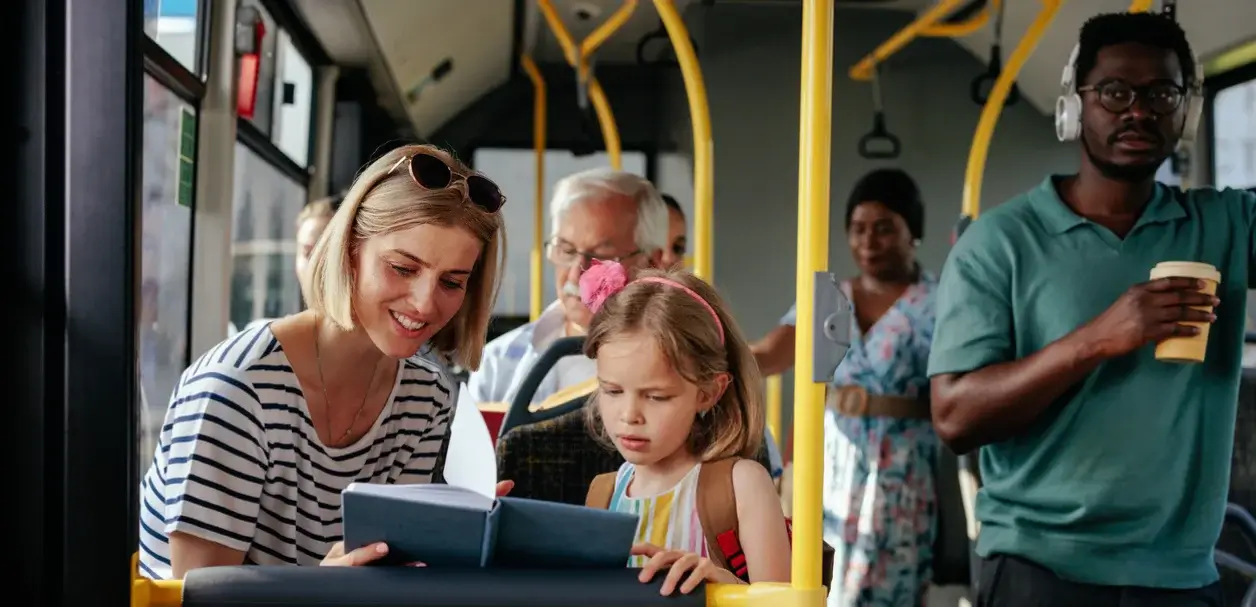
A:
x: 425, y: 73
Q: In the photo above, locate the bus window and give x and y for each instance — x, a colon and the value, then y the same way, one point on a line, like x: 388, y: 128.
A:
x: 1234, y: 143
x: 263, y: 233
x: 173, y: 25
x: 169, y: 149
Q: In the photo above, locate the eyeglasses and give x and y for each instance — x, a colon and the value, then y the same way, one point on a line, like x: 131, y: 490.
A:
x: 564, y: 255
x: 432, y: 173
x: 1117, y: 96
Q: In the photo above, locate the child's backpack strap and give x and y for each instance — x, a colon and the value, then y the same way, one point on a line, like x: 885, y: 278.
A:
x: 717, y: 513
x: 600, y: 491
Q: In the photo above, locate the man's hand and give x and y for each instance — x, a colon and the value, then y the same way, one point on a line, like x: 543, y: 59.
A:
x: 1150, y: 312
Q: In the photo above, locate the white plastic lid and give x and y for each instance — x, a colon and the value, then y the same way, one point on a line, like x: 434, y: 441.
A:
x: 1185, y: 269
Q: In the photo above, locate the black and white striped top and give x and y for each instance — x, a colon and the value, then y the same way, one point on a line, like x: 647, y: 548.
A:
x: 239, y: 463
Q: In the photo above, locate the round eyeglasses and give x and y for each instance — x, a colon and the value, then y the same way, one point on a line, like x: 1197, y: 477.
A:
x: 1117, y: 96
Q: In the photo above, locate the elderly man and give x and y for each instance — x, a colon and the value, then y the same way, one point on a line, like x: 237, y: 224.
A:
x: 596, y: 214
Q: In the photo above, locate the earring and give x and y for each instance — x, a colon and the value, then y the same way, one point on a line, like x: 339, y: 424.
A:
x: 915, y: 242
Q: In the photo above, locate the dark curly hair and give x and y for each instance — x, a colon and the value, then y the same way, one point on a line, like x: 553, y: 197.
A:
x: 1151, y: 29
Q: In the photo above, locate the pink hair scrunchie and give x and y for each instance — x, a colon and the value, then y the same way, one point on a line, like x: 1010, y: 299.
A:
x: 602, y: 280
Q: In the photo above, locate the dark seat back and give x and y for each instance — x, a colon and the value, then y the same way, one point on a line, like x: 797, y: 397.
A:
x: 554, y: 460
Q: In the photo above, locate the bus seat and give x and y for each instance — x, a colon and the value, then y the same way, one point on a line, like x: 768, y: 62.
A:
x: 547, y: 450
x: 555, y: 459
x: 951, y: 545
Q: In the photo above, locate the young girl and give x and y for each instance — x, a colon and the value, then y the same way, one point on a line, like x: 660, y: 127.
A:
x: 678, y: 388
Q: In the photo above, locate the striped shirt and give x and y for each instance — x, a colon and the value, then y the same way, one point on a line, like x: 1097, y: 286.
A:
x: 238, y: 461
x: 667, y: 520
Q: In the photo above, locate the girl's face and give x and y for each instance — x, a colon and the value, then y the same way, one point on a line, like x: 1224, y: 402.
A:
x: 410, y: 284
x: 647, y: 408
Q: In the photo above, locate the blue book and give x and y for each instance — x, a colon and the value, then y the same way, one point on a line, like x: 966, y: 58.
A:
x: 448, y: 526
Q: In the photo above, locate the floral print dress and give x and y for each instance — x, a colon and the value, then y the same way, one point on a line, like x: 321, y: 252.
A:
x: 879, y: 500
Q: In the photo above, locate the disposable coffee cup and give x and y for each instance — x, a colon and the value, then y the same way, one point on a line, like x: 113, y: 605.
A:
x: 1187, y: 349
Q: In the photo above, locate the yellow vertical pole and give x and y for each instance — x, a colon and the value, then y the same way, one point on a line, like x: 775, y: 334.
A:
x: 703, y: 147
x: 538, y: 225
x: 773, y: 392
x: 815, y: 146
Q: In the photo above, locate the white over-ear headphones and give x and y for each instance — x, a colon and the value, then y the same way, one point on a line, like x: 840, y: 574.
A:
x: 1068, y: 106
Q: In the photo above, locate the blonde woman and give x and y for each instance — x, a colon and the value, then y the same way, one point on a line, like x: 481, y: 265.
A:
x: 266, y: 429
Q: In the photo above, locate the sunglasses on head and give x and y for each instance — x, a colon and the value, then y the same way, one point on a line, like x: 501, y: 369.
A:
x: 432, y: 173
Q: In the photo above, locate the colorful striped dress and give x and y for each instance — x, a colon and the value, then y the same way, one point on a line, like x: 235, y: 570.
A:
x: 667, y: 520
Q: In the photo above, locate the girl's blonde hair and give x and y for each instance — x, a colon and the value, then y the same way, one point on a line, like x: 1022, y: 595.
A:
x: 691, y: 341
x: 385, y: 199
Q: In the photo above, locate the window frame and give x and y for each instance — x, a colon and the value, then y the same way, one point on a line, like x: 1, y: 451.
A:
x: 1213, y: 86
x: 73, y: 237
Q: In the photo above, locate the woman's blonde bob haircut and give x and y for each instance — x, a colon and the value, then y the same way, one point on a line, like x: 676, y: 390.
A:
x: 385, y: 199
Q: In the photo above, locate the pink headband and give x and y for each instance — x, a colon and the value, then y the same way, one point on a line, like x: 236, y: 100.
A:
x: 606, y: 278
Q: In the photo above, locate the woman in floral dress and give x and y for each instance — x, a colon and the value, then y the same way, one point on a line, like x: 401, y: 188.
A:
x: 880, y: 448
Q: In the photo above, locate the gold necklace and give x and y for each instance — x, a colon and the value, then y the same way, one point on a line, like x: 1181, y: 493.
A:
x: 318, y: 356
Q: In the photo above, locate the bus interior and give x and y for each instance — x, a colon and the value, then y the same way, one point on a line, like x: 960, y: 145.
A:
x: 166, y: 148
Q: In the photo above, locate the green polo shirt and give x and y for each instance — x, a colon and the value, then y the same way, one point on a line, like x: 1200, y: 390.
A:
x: 1123, y: 481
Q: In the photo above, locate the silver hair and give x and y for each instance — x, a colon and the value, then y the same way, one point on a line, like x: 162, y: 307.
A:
x: 594, y: 184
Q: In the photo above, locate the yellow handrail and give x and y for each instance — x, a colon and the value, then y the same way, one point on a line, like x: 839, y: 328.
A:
x: 153, y: 593
x: 773, y: 389
x: 538, y: 215
x: 703, y: 146
x: 971, y: 203
x: 815, y: 135
x: 1140, y: 6
x: 577, y: 56
x: 863, y: 70
x: 963, y: 28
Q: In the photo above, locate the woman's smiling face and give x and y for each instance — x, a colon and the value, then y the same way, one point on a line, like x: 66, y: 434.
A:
x: 410, y: 283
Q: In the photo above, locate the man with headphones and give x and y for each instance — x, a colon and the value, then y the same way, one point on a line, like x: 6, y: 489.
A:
x: 1105, y: 470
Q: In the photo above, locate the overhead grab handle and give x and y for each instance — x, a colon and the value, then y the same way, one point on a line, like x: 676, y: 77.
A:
x: 981, y: 87
x: 662, y: 58
x: 880, y: 143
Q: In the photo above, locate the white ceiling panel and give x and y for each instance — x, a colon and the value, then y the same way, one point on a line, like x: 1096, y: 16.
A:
x: 417, y: 35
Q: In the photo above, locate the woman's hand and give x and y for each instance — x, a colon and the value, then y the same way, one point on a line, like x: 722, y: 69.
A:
x: 336, y: 557
x: 680, y: 562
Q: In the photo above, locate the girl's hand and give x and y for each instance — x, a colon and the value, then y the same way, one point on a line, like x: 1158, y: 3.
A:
x: 680, y: 562
x: 504, y: 488
x: 336, y: 557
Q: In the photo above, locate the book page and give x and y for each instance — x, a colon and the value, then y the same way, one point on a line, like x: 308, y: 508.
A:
x: 444, y: 495
x: 471, y: 462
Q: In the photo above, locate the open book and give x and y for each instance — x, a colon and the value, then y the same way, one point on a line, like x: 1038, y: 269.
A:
x: 462, y: 524
x: 445, y: 525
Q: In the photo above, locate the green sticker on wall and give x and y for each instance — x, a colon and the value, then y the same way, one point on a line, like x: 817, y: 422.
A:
x: 187, y: 154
